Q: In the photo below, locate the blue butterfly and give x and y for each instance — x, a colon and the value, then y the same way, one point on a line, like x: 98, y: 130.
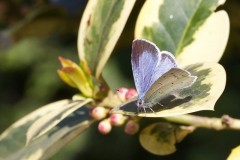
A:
x: 156, y: 74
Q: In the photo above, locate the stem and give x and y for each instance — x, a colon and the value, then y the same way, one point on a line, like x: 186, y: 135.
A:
x: 225, y: 122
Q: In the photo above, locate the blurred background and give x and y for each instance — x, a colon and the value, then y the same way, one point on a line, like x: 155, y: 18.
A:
x: 34, y: 33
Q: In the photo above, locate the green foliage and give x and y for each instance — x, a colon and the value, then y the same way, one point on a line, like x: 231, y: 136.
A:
x: 176, y: 26
x: 52, y: 118
x: 160, y: 138
x: 9, y: 145
x: 173, y: 24
x: 54, y: 125
x: 100, y: 28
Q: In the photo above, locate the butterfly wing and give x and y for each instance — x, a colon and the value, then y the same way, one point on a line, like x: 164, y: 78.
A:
x: 148, y: 64
x: 165, y: 63
x: 173, y: 80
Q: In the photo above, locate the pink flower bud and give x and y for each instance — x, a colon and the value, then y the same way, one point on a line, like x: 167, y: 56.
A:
x: 117, y: 119
x: 121, y: 92
x: 98, y: 113
x: 130, y: 93
x: 131, y: 127
x: 104, y: 126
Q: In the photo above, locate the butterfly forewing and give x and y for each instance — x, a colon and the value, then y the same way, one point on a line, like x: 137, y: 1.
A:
x: 148, y: 64
x: 173, y: 80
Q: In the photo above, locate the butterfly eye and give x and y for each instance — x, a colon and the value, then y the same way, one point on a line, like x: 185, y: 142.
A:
x: 140, y: 102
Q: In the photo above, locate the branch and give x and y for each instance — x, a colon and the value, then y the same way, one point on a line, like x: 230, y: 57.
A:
x: 225, y: 122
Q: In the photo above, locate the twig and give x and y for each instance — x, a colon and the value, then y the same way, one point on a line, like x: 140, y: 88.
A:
x: 225, y: 122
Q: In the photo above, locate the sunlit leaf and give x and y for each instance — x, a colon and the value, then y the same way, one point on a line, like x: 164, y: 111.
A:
x: 209, y: 41
x: 100, y: 28
x: 235, y: 154
x: 160, y: 138
x: 52, y: 118
x: 77, y: 76
x: 50, y: 143
x: 66, y: 78
x: 14, y: 137
x: 190, y: 29
x: 202, y: 95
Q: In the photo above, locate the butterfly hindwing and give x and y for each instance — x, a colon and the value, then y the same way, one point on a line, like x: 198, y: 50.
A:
x: 173, y: 80
x: 165, y: 63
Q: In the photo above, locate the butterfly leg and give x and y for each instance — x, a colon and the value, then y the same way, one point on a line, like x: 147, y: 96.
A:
x: 160, y: 104
x: 144, y: 111
x: 151, y: 109
x: 141, y: 109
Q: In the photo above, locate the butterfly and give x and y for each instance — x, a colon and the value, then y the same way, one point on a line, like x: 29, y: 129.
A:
x: 156, y: 74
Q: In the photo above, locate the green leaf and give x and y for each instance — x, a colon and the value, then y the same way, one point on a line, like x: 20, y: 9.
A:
x: 209, y: 41
x: 202, y: 95
x: 160, y: 138
x: 235, y: 154
x: 50, y: 143
x: 100, y: 28
x: 190, y: 29
x: 14, y: 138
x: 52, y: 118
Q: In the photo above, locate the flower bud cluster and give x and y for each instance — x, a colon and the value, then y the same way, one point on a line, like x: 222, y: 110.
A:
x: 107, y: 121
x: 125, y: 94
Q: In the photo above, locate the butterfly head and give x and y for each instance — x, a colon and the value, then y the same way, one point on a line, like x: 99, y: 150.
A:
x: 140, y: 103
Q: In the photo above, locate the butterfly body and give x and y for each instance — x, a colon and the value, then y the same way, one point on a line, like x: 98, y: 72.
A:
x: 156, y: 74
x: 142, y: 104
